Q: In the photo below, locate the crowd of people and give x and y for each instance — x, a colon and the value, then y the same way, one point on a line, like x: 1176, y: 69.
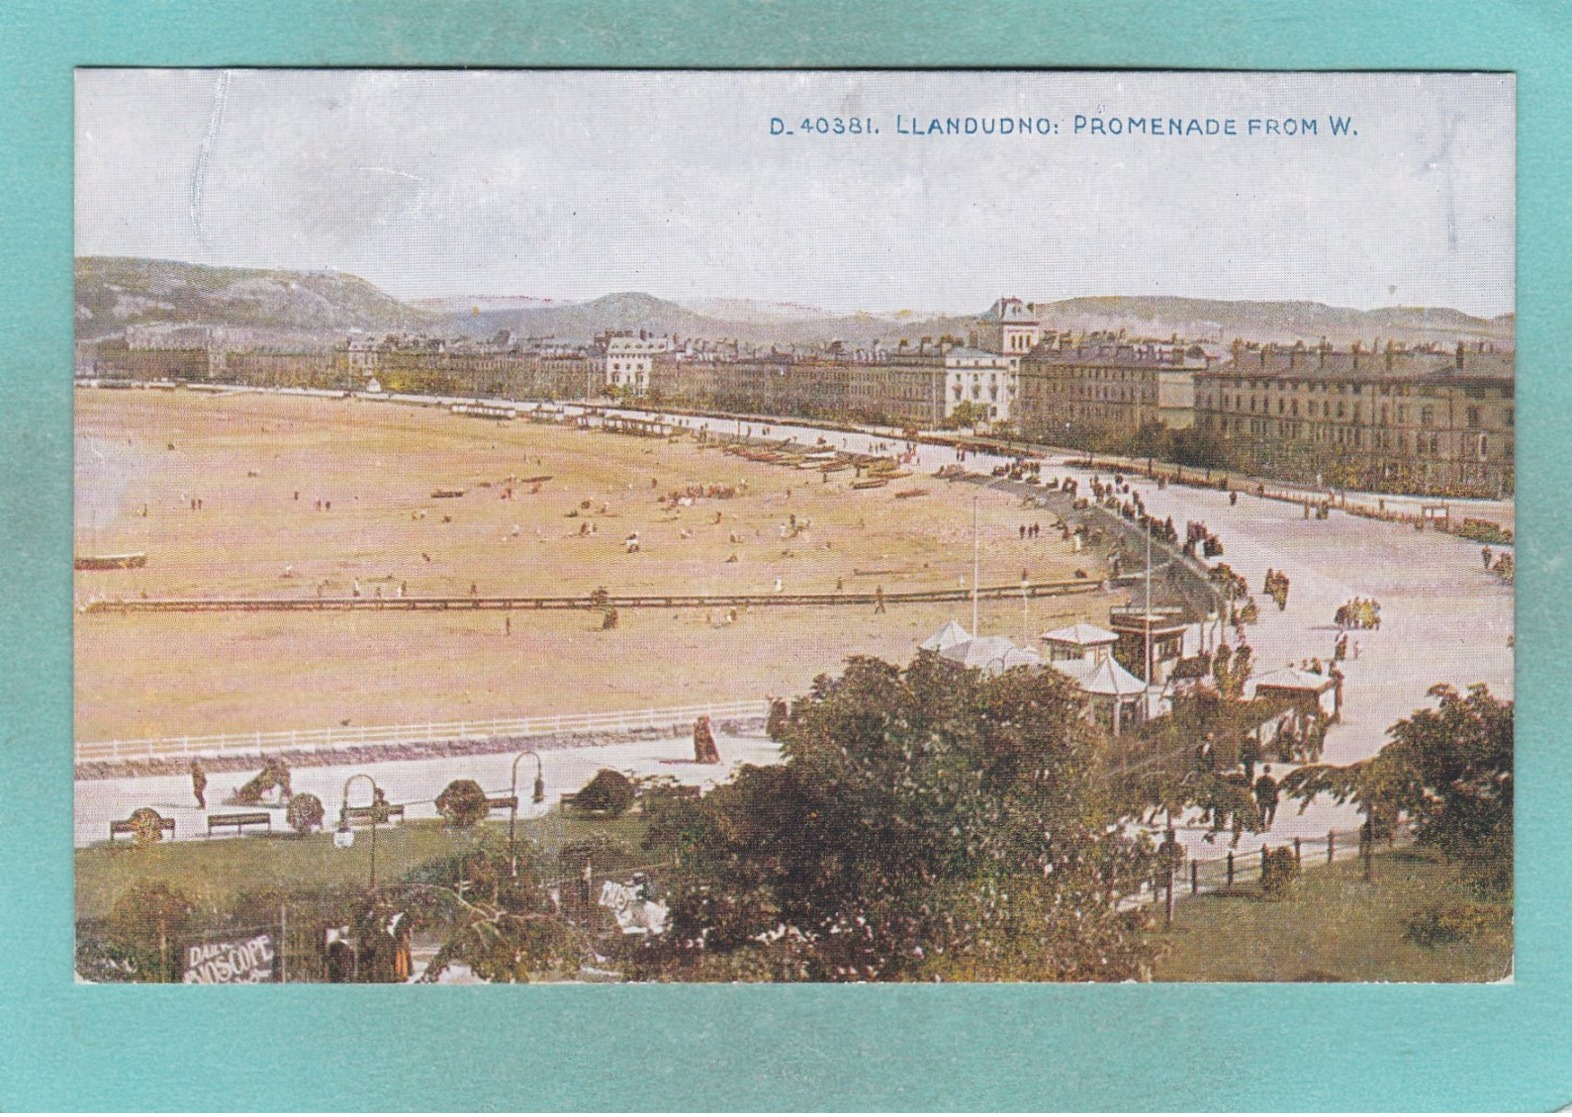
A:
x: 1198, y: 537
x: 1361, y: 612
x: 1276, y: 588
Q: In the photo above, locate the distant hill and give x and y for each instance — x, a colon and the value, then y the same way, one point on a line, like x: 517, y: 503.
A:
x: 113, y: 292
x: 639, y: 311
x: 264, y: 306
x: 1286, y: 321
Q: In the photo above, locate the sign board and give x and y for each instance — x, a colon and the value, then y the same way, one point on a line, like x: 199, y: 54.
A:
x: 249, y: 960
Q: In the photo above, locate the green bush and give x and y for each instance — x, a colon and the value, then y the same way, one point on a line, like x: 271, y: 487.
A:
x: 1448, y: 923
x: 305, y: 813
x: 145, y: 929
x: 462, y: 803
x: 1279, y: 869
x: 609, y: 793
x: 146, y: 829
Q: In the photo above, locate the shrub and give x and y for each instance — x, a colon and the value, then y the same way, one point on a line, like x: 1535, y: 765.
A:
x: 1456, y: 923
x: 1278, y: 871
x: 305, y: 813
x: 462, y: 803
x: 145, y: 928
x: 779, y: 719
x: 609, y: 792
x: 145, y: 826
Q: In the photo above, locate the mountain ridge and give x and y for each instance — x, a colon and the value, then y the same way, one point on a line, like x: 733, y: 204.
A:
x: 282, y: 306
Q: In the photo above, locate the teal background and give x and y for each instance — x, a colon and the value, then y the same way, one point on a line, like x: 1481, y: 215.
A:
x: 1156, y: 1047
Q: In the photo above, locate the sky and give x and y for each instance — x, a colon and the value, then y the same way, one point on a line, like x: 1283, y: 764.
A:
x: 570, y: 185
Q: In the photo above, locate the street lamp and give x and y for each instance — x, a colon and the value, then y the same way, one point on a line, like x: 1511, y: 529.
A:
x: 539, y: 796
x: 344, y: 838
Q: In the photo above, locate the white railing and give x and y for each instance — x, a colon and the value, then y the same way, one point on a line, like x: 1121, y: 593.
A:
x: 297, y: 740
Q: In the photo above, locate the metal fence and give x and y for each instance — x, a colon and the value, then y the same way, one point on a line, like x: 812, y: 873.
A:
x: 306, y: 740
x: 583, y: 603
x: 1231, y: 869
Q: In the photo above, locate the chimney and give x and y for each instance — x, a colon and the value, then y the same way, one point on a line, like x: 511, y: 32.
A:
x: 1459, y: 359
x: 1355, y: 350
x: 1389, y: 349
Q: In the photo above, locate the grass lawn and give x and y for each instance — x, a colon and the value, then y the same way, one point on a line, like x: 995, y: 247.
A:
x: 1332, y: 926
x: 213, y: 872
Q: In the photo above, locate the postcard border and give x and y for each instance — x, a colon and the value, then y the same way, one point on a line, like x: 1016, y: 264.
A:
x: 743, y: 1048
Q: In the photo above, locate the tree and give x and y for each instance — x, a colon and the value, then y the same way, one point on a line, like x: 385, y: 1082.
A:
x: 462, y: 803
x: 966, y: 414
x: 927, y: 823
x: 1449, y: 769
x: 505, y: 928
x: 145, y: 927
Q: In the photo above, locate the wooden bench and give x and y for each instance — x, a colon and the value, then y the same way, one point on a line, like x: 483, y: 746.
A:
x: 240, y: 821
x: 129, y: 826
x: 506, y: 802
x: 386, y: 812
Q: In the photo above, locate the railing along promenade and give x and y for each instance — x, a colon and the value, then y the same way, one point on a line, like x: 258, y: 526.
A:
x: 418, y: 733
x: 583, y: 602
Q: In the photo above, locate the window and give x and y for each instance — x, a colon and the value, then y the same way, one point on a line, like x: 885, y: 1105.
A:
x: 1427, y: 416
x: 1473, y: 418
x: 1507, y: 415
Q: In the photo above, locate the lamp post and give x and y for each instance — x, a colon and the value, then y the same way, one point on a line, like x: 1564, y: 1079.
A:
x: 538, y: 796
x: 345, y: 837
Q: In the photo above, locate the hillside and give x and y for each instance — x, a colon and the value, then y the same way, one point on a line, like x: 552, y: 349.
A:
x: 1283, y: 321
x: 639, y: 311
x: 273, y: 306
x: 114, y: 292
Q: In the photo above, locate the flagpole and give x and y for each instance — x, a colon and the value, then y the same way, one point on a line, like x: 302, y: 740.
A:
x: 976, y: 563
x: 1146, y: 697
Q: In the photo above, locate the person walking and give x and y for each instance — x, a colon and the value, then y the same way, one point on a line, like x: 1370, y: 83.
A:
x: 199, y: 784
x: 1266, y: 796
x: 1486, y: 554
x: 1249, y: 755
x: 878, y: 600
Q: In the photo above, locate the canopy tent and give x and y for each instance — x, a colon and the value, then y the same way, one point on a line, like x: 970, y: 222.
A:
x: 948, y: 636
x: 991, y: 653
x: 1101, y: 676
x: 1114, y: 697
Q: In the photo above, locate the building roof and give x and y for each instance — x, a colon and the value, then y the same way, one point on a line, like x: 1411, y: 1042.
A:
x: 948, y: 636
x: 1102, y: 676
x: 967, y: 352
x: 1081, y: 635
x: 1010, y: 311
x: 1157, y: 621
x: 1125, y: 354
x: 1472, y: 366
x: 1291, y: 678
